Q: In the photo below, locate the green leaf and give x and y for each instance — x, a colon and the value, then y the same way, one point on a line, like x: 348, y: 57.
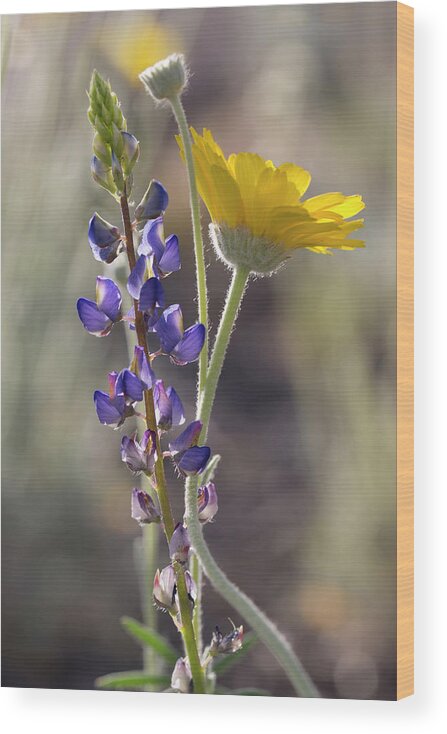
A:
x: 150, y: 638
x: 131, y: 680
x: 221, y: 665
x: 208, y: 473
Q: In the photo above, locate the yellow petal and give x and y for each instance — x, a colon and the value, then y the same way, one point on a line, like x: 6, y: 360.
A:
x: 344, y: 206
x: 298, y: 176
x: 246, y: 169
x: 229, y: 199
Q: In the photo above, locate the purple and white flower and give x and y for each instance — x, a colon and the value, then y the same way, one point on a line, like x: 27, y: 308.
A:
x: 165, y: 254
x: 168, y: 407
x: 98, y: 318
x: 104, y: 239
x: 181, y: 678
x: 140, y: 456
x: 207, y: 502
x: 226, y: 644
x: 164, y: 590
x: 179, y: 545
x: 182, y: 346
x: 154, y: 202
x: 143, y: 508
x: 188, y: 457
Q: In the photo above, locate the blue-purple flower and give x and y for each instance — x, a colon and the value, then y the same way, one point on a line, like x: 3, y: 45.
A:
x: 143, y: 508
x: 98, y: 318
x: 115, y: 406
x: 141, y: 367
x: 154, y: 202
x: 207, y: 505
x: 104, y: 239
x: 179, y: 545
x: 168, y: 407
x: 140, y: 456
x: 188, y: 457
x: 165, y: 254
x: 182, y: 346
x: 181, y: 678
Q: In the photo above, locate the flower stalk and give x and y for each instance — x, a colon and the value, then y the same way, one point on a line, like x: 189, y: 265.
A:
x: 187, y: 629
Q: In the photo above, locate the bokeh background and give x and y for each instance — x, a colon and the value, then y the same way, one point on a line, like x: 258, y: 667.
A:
x: 305, y: 414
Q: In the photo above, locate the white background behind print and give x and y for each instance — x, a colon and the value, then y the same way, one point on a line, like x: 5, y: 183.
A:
x: 48, y: 710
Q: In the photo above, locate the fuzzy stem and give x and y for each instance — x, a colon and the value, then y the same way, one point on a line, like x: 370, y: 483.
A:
x: 182, y: 123
x: 258, y: 621
x: 161, y: 486
x: 231, y: 309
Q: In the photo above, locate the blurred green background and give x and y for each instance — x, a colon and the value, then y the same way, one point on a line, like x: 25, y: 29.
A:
x: 305, y: 414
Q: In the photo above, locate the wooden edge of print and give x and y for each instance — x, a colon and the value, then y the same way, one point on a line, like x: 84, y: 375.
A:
x: 405, y: 352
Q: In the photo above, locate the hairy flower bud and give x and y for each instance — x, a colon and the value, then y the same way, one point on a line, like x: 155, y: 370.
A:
x: 181, y: 676
x: 167, y: 78
x: 238, y: 247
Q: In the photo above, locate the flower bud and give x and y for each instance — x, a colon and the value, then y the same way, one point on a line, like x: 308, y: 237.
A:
x: 179, y: 545
x: 102, y: 151
x: 154, y: 202
x: 167, y: 78
x: 102, y: 175
x: 130, y: 151
x: 181, y: 676
x: 164, y: 590
x: 232, y: 642
x: 117, y: 141
x: 143, y: 509
x: 207, y: 502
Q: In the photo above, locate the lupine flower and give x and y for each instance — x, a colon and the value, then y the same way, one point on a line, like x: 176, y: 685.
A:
x: 232, y: 642
x: 143, y: 509
x: 168, y: 407
x: 207, y: 502
x: 98, y: 318
x: 154, y: 202
x: 257, y: 212
x: 125, y: 389
x: 165, y: 254
x: 148, y: 290
x: 188, y: 457
x: 102, y: 174
x: 182, y: 346
x: 190, y: 588
x: 130, y: 152
x: 164, y: 590
x: 181, y: 676
x: 139, y: 456
x: 179, y: 545
x: 141, y: 367
x: 104, y: 239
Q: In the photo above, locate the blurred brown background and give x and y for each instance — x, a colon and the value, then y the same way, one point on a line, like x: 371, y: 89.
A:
x: 305, y: 414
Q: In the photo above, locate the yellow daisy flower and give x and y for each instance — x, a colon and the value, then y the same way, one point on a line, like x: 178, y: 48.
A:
x: 257, y: 209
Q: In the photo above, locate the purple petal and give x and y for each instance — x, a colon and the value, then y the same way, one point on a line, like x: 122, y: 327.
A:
x: 189, y: 347
x: 178, y: 414
x: 136, y: 278
x: 169, y: 328
x: 179, y: 545
x: 133, y: 455
x: 142, y: 368
x: 207, y: 504
x: 143, y: 509
x: 170, y: 260
x: 187, y: 438
x: 148, y: 443
x: 151, y: 295
x: 129, y: 385
x: 108, y: 298
x: 101, y: 233
x: 154, y: 202
x: 152, y: 241
x: 163, y: 406
x: 194, y: 460
x: 106, y: 254
x: 95, y: 321
x: 111, y: 412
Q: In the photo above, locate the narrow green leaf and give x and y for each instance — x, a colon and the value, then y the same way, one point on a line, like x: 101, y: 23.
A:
x: 221, y: 665
x: 208, y: 473
x: 131, y: 680
x: 150, y: 638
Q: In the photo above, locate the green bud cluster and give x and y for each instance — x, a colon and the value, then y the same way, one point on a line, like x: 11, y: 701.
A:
x: 115, y: 150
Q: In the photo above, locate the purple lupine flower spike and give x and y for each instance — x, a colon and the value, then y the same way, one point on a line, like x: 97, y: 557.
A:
x: 181, y: 678
x: 188, y: 457
x: 143, y: 509
x: 168, y: 407
x: 98, y: 318
x: 207, y: 502
x: 164, y: 590
x: 182, y: 346
x: 104, y: 239
x: 154, y: 202
x: 139, y: 456
x: 165, y: 254
x: 179, y: 545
